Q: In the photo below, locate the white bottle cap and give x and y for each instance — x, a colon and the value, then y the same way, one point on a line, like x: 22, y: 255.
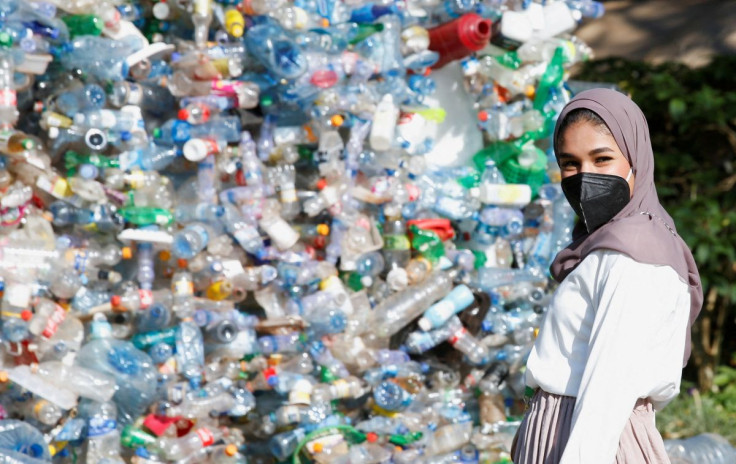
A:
x: 424, y: 324
x: 196, y: 150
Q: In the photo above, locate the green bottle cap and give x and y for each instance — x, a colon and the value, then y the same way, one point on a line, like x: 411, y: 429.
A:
x: 6, y: 40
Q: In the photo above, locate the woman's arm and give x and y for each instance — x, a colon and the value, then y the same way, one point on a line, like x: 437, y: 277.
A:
x: 635, y: 350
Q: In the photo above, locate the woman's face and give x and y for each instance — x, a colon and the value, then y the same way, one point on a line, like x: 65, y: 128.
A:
x: 589, y: 148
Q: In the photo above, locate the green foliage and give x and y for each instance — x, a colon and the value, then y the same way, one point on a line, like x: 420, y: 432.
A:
x: 692, y: 413
x: 692, y: 121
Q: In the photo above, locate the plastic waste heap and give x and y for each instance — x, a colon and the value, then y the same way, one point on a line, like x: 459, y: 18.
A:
x: 222, y: 239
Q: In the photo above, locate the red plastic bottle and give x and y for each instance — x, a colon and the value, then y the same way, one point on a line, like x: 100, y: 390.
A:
x: 459, y: 38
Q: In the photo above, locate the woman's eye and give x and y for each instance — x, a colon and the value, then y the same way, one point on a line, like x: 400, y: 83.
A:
x: 603, y: 159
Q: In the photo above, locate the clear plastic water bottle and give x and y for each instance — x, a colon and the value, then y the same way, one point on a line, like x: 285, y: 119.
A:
x: 705, y: 448
x: 133, y: 370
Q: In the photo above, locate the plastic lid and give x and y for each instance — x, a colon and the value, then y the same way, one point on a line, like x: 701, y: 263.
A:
x: 183, y: 114
x: 236, y: 30
x: 231, y: 450
x: 337, y: 120
x: 195, y: 150
x: 424, y: 324
x: 26, y: 315
x: 321, y: 184
x: 6, y: 40
x: 4, y: 376
x: 323, y: 229
x: 318, y: 447
x: 127, y: 252
x: 182, y: 263
x: 371, y: 437
x: 483, y: 116
x: 161, y: 11
x: 164, y: 255
x: 115, y: 300
x: 474, y: 31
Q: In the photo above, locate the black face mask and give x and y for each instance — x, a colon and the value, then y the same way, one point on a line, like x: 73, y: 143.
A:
x: 596, y: 198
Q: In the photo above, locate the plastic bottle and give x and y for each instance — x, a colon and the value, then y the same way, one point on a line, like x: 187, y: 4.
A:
x: 399, y: 309
x: 178, y: 448
x: 132, y: 369
x: 458, y: 299
x: 8, y: 98
x: 22, y: 441
x: 384, y: 124
x: 707, y: 448
x: 102, y: 433
x: 270, y: 45
x: 459, y: 38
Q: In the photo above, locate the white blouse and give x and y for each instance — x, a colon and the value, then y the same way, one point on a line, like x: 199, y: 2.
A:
x: 614, y: 332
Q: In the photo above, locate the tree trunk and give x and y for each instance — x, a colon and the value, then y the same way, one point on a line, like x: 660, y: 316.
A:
x: 707, y: 339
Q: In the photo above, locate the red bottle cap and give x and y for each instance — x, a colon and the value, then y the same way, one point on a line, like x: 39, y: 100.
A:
x: 459, y: 38
x: 115, y: 300
x: 474, y: 31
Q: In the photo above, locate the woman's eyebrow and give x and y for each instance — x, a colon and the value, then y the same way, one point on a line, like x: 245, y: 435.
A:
x: 599, y: 150
x: 592, y: 152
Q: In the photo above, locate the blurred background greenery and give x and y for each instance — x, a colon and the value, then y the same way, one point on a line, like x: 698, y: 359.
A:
x: 692, y: 120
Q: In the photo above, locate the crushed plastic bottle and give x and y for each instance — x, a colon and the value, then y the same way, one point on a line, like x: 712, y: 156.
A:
x: 221, y: 240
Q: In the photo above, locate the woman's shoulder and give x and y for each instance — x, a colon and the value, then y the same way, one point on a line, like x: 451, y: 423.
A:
x: 605, y: 262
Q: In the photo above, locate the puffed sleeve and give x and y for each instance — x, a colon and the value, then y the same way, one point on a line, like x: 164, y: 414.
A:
x: 635, y: 351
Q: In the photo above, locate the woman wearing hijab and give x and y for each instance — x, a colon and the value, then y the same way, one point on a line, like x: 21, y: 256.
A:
x: 612, y: 346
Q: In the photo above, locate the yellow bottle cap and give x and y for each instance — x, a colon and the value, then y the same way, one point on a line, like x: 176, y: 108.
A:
x: 337, y: 120
x: 231, y: 450
x: 323, y: 229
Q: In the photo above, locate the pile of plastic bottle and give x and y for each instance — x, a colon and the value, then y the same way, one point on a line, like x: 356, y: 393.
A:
x: 221, y: 240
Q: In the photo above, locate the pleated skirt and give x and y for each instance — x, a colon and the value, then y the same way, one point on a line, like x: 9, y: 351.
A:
x: 545, y: 429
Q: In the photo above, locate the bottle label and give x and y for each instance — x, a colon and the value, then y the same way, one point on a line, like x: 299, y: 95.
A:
x: 456, y: 336
x: 78, y: 258
x: 57, y: 186
x: 342, y: 388
x: 135, y: 94
x: 99, y: 426
x: 246, y: 234
x: 52, y: 324
x: 18, y: 295
x: 288, y: 195
x: 8, y: 97
x: 300, y: 396
x: 146, y: 297
x: 206, y: 436
x: 396, y: 242
x: 291, y: 414
x: 505, y: 194
x: 183, y: 288
x: 5, y: 138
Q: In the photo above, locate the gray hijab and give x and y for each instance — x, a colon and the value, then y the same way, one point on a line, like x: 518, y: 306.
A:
x: 643, y: 229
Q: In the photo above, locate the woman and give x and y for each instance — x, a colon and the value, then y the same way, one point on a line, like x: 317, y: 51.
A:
x: 611, y: 349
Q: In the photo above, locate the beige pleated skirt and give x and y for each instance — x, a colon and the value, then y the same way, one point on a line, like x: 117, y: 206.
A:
x: 545, y: 429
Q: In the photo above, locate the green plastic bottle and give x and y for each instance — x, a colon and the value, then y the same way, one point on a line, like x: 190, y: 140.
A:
x: 427, y: 243
x: 84, y: 24
x: 73, y: 159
